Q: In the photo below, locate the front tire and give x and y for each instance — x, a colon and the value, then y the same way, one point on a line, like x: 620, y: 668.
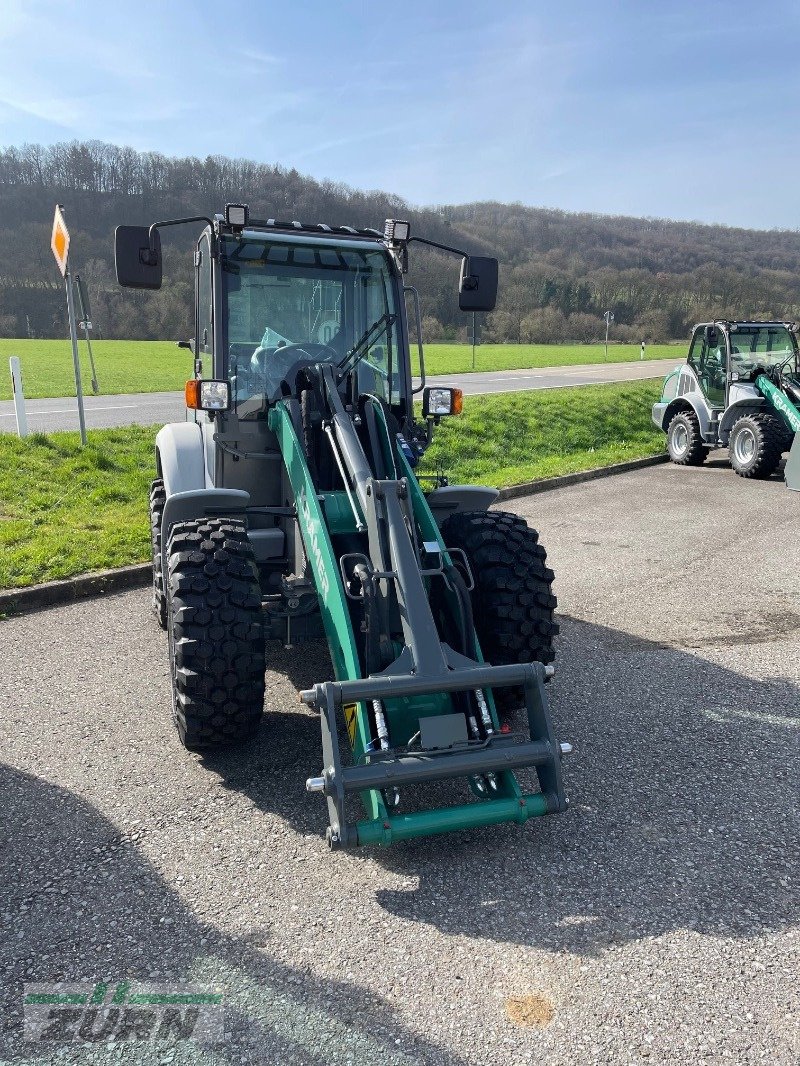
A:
x: 756, y: 444
x: 513, y: 601
x: 216, y: 637
x: 685, y: 441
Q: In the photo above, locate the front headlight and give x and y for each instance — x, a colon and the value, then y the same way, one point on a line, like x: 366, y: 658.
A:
x: 208, y: 395
x: 437, y: 402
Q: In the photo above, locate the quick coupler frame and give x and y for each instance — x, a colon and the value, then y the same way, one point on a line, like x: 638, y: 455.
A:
x: 381, y: 770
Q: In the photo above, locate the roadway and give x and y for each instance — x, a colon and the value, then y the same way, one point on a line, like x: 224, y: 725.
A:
x: 150, y: 408
x: 656, y: 921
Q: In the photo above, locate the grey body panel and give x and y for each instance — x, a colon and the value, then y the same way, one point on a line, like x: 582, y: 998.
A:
x: 791, y: 471
x: 181, y: 457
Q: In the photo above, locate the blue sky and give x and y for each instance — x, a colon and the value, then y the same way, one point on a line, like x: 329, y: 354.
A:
x: 670, y: 109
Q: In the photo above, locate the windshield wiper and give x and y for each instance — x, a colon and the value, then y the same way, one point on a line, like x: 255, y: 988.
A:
x: 361, y: 347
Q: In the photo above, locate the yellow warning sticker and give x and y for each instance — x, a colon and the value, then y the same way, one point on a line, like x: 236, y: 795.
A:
x: 350, y: 716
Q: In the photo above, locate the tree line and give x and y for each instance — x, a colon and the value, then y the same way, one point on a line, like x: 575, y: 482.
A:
x: 560, y: 272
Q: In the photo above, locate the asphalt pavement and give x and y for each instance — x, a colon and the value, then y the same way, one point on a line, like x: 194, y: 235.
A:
x: 654, y: 922
x: 150, y: 408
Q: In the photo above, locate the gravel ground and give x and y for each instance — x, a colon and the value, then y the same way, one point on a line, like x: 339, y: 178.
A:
x: 654, y: 922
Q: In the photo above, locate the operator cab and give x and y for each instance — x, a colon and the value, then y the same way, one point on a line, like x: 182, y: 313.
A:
x: 726, y: 357
x: 297, y: 302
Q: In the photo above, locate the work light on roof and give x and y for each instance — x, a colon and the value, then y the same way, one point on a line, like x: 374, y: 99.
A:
x: 236, y: 215
x: 397, y: 232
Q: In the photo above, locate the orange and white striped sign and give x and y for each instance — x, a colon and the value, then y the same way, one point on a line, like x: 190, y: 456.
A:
x: 59, y: 241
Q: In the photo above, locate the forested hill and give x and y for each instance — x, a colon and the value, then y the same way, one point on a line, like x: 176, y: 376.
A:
x: 559, y: 271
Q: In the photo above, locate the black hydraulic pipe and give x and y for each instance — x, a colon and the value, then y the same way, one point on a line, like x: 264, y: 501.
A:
x: 389, y: 686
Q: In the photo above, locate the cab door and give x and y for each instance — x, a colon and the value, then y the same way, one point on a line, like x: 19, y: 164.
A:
x: 709, y: 357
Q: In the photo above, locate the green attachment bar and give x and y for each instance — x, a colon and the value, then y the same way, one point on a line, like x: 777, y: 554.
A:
x: 451, y: 819
x: 332, y: 599
x: 780, y: 401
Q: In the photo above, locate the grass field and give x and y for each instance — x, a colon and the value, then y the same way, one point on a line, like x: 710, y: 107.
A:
x: 457, y: 358
x: 509, y: 438
x: 66, y: 510
x: 160, y: 366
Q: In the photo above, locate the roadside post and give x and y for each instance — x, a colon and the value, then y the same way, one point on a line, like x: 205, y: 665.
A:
x: 19, y: 397
x: 474, y: 337
x: 59, y: 243
x: 642, y: 355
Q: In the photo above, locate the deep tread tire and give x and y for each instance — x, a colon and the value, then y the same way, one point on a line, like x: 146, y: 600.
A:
x: 216, y: 633
x: 158, y: 497
x: 513, y: 601
x: 685, y: 441
x: 768, y: 437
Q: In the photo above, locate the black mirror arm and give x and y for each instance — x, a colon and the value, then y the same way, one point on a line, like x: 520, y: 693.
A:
x: 172, y: 222
x: 442, y: 247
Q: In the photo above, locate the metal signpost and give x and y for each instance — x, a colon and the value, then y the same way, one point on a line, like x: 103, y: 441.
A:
x: 86, y: 324
x: 609, y: 317
x: 59, y: 243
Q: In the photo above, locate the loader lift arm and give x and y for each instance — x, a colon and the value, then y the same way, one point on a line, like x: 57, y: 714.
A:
x: 429, y: 691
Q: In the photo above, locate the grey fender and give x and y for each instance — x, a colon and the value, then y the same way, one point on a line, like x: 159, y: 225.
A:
x: 180, y: 457
x: 736, y: 410
x: 450, y: 499
x: 199, y: 503
x: 688, y: 402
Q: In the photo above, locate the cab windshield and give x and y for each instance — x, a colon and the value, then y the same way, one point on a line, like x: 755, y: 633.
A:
x: 294, y: 303
x: 766, y: 346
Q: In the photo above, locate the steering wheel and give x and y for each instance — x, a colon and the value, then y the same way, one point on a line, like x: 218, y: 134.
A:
x: 308, y: 350
x: 297, y: 356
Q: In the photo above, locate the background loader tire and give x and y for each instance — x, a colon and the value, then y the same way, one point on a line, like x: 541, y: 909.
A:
x: 512, y: 601
x: 158, y: 497
x: 685, y: 441
x: 756, y: 444
x: 216, y: 635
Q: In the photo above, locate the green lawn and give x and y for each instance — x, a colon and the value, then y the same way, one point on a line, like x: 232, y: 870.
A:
x: 160, y: 366
x: 510, y: 438
x: 122, y: 366
x: 457, y: 358
x: 66, y: 510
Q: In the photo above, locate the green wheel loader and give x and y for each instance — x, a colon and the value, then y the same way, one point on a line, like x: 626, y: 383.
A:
x: 739, y: 389
x: 287, y: 507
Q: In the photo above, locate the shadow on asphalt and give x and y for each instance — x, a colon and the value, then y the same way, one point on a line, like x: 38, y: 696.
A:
x: 683, y: 797
x: 95, y: 908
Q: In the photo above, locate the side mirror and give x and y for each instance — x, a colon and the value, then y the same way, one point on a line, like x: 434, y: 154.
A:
x: 477, y: 289
x: 440, y: 400
x: 138, y: 265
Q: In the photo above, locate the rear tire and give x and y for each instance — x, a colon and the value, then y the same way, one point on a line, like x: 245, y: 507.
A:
x: 685, y: 441
x: 158, y: 497
x: 513, y: 599
x: 216, y: 637
x: 756, y: 444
